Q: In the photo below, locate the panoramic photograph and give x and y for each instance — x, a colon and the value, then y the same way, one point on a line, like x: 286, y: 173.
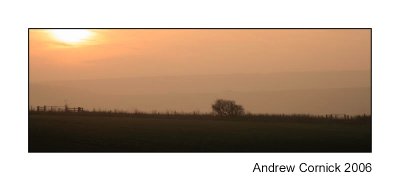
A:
x: 199, y: 90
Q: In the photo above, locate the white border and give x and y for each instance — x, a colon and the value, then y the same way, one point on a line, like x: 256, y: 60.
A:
x: 17, y: 16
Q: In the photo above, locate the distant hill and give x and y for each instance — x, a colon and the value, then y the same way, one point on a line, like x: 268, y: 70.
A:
x: 301, y: 92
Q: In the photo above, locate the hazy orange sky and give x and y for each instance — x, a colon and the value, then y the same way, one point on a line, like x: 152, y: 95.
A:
x: 265, y: 70
x: 110, y: 53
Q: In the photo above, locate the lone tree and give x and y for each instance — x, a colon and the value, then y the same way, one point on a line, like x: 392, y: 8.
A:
x: 227, y: 108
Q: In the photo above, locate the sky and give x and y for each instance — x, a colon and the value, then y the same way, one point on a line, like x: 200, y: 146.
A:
x: 111, y: 53
x: 305, y: 71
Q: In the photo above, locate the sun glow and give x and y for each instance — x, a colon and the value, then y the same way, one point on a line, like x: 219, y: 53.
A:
x: 71, y: 36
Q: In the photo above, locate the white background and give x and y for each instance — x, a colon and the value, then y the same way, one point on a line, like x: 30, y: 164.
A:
x: 17, y: 16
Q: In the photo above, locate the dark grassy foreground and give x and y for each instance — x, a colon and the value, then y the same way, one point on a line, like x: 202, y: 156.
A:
x: 116, y: 132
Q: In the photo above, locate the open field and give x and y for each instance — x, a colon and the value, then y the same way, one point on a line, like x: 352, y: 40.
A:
x: 118, y: 132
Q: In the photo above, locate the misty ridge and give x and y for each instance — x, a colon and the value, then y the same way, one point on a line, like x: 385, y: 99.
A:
x: 347, y: 92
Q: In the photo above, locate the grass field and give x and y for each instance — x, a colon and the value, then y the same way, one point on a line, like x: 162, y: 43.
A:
x: 116, y: 132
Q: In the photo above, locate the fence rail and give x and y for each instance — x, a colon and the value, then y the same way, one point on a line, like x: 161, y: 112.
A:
x: 57, y: 109
x: 338, y: 116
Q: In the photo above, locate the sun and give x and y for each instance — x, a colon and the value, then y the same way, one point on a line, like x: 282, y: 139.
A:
x: 71, y: 36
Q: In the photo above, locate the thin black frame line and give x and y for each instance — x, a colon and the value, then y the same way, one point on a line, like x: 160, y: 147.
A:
x: 371, y: 109
x: 370, y: 31
x: 214, y: 28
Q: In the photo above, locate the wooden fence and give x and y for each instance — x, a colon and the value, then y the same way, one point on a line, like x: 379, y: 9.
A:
x: 338, y: 116
x: 57, y: 109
